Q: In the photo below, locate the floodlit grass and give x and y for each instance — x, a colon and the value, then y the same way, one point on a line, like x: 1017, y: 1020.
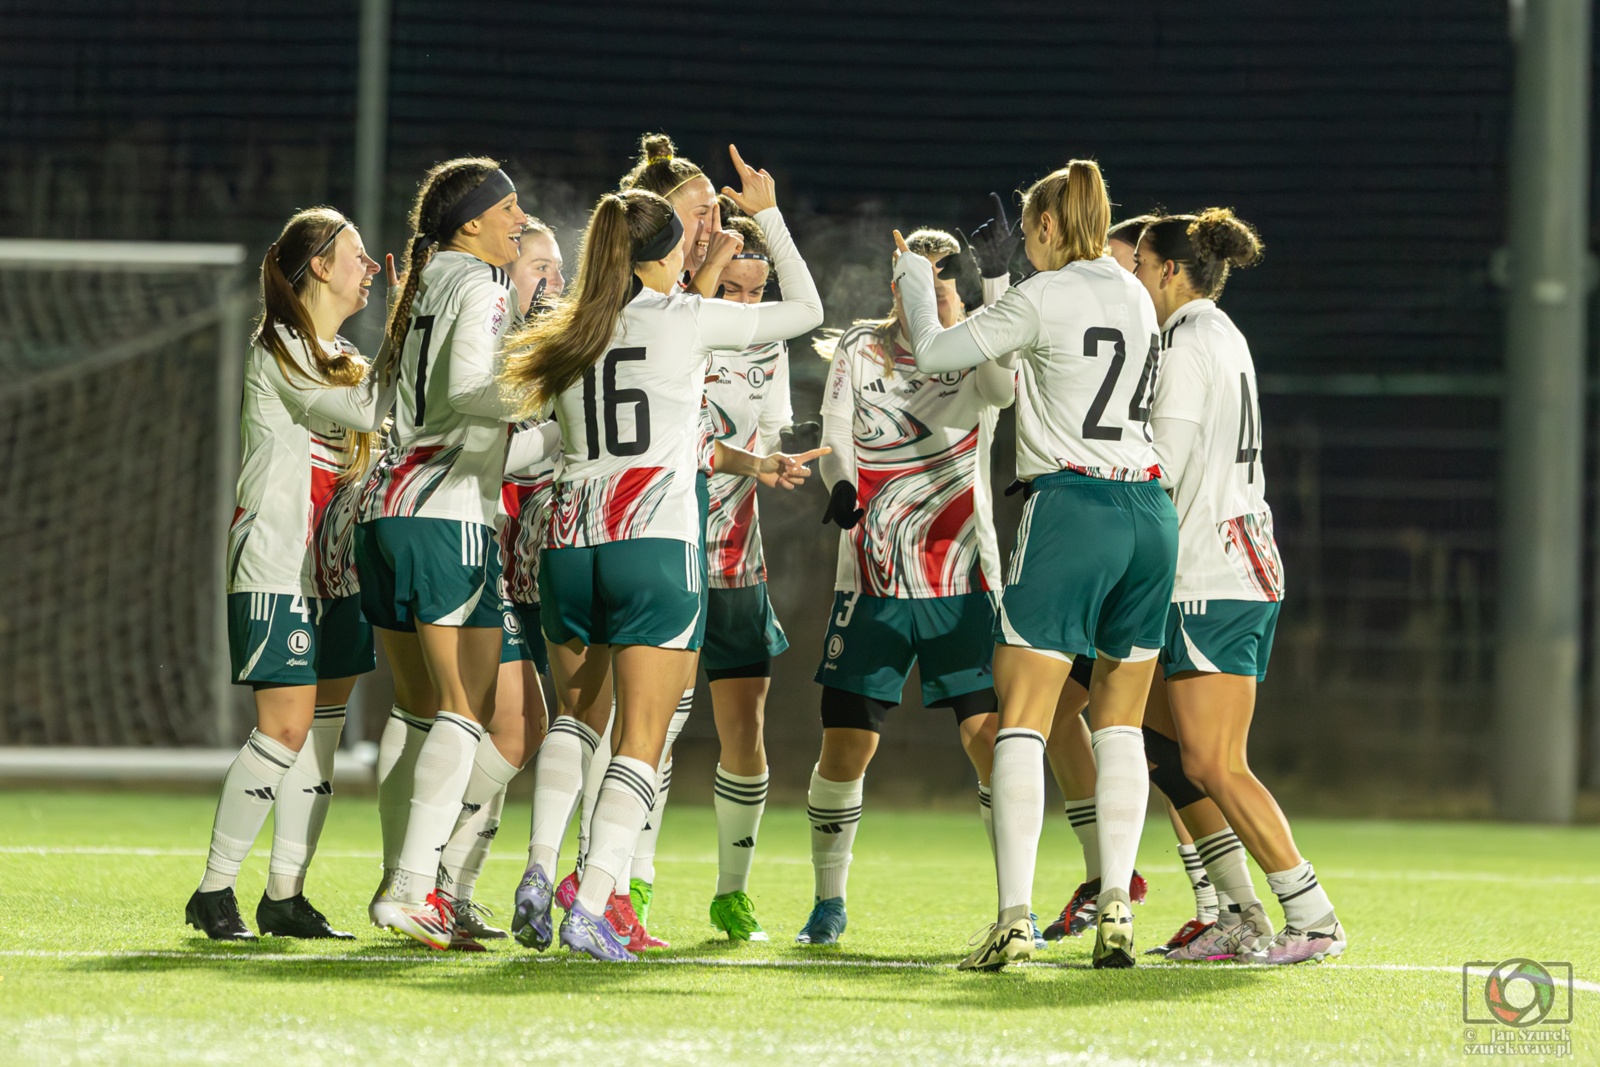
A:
x: 96, y: 966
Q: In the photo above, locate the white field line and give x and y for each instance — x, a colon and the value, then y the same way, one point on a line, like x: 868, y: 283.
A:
x: 685, y: 961
x: 518, y: 857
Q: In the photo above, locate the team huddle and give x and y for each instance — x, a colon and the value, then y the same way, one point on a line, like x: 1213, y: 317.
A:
x: 538, y: 484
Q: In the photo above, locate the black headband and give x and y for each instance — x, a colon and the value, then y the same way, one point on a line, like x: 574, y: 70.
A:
x: 294, y: 279
x: 754, y: 255
x: 494, y: 188
x: 665, y: 240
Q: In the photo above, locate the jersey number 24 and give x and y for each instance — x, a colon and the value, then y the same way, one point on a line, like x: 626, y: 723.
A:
x: 1139, y: 405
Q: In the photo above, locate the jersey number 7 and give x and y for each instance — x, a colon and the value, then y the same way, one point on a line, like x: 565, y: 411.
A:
x: 613, y: 398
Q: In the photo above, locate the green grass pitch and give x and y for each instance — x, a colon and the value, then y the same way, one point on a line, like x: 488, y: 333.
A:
x: 96, y: 966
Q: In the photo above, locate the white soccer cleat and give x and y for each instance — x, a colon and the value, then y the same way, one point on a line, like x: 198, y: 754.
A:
x: 1113, y: 943
x: 381, y: 910
x: 1000, y: 945
x: 1291, y: 946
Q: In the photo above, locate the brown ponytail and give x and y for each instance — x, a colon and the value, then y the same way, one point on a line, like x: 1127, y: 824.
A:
x: 551, y: 352
x: 1206, y: 246
x: 660, y: 169
x: 441, y: 188
x: 283, y: 304
x: 1075, y: 196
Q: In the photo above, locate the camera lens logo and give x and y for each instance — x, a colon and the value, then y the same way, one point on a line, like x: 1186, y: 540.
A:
x: 835, y: 646
x: 299, y: 642
x: 1520, y: 992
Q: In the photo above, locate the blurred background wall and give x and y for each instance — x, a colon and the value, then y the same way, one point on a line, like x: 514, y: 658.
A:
x: 1367, y: 141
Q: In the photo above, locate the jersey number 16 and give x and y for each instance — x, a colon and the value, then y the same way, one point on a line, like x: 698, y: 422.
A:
x: 613, y: 399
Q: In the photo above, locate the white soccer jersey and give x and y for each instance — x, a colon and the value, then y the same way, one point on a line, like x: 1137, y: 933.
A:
x: 525, y: 496
x: 630, y: 428
x: 294, y: 526
x: 922, y: 474
x: 447, y: 451
x: 1226, y: 550
x: 1088, y: 345
x: 748, y: 405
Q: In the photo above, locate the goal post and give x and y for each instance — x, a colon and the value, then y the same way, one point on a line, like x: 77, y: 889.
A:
x: 121, y: 370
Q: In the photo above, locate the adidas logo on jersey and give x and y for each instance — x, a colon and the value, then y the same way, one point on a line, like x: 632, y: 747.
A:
x: 748, y: 842
x: 877, y: 386
x: 323, y: 790
x: 264, y: 793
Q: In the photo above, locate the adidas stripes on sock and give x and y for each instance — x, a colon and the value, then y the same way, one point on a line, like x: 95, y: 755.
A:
x: 594, y: 772
x: 444, y: 765
x: 644, y: 855
x: 1205, y: 894
x: 485, y: 798
x: 1305, y: 903
x: 402, y: 739
x: 248, y: 793
x: 1080, y: 813
x: 626, y: 797
x: 739, y: 801
x: 1018, y: 784
x: 302, y: 804
x: 834, y: 809
x: 1224, y: 860
x: 558, y: 779
x: 1121, y: 793
x: 986, y: 813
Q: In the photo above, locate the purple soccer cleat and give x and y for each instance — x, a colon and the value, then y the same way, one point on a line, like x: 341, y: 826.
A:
x: 593, y: 936
x: 530, y: 923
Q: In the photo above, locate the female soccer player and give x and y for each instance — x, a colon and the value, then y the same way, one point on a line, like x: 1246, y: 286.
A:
x: 429, y: 565
x: 295, y: 631
x: 1230, y: 577
x: 918, y: 562
x: 519, y: 722
x: 624, y: 359
x: 748, y: 404
x: 662, y: 171
x: 1092, y: 573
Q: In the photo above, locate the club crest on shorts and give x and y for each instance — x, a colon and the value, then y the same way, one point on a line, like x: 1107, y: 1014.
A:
x: 513, y: 625
x: 299, y: 642
x: 835, y: 646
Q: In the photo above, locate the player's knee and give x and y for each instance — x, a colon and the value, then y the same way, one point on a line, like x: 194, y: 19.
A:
x: 1167, y: 769
x: 1204, y: 770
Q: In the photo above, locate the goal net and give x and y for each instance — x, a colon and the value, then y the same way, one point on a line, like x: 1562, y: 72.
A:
x: 119, y: 392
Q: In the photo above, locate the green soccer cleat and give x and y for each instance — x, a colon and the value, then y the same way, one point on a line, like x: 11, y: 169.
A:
x: 640, y: 892
x: 734, y: 915
x: 826, y: 923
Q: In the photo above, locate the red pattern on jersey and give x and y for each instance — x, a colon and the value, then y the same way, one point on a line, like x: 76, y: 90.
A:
x: 1250, y: 546
x: 925, y: 514
x: 398, y: 490
x: 601, y: 510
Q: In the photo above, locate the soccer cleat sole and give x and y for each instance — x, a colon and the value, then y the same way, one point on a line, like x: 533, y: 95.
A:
x: 1113, y: 947
x: 526, y: 931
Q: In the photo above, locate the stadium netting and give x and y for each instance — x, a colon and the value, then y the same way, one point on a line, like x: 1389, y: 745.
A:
x: 115, y: 432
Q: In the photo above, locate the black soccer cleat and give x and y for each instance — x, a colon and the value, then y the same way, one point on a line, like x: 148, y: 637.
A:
x: 295, y: 917
x: 216, y: 914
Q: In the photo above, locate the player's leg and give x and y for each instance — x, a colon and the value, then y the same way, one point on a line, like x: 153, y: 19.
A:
x: 410, y: 720
x: 867, y: 654
x: 1071, y: 758
x: 270, y: 643
x: 1212, y: 694
x: 630, y: 909
x: 593, y: 774
x: 742, y: 637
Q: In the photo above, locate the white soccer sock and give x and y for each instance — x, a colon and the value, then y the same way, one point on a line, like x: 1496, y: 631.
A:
x: 1080, y: 813
x: 558, y: 779
x: 644, y: 855
x: 1205, y: 894
x: 302, y: 804
x: 1305, y: 903
x: 626, y: 797
x: 1224, y: 859
x: 986, y: 813
x: 247, y: 794
x: 1121, y: 793
x: 1018, y: 784
x: 485, y: 798
x: 834, y: 809
x: 402, y: 739
x: 444, y: 766
x: 739, y: 801
x: 644, y: 847
x: 594, y: 772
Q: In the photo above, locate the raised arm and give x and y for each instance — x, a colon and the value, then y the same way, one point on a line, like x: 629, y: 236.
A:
x: 359, y: 407
x: 1009, y: 325
x: 997, y: 378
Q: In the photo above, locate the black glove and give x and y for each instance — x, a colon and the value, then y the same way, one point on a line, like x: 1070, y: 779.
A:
x: 801, y: 437
x: 537, y: 306
x: 994, y: 243
x: 842, y: 506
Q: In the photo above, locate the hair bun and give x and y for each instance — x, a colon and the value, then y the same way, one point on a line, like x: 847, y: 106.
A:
x: 1219, y: 235
x: 656, y: 146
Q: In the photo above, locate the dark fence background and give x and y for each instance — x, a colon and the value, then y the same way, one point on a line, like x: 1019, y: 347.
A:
x: 1366, y: 140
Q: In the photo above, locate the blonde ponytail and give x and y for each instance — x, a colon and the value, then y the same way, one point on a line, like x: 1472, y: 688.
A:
x: 1075, y: 198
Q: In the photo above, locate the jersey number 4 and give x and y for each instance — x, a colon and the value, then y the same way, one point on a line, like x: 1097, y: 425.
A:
x: 614, y: 398
x: 1249, y: 430
x: 1139, y: 405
